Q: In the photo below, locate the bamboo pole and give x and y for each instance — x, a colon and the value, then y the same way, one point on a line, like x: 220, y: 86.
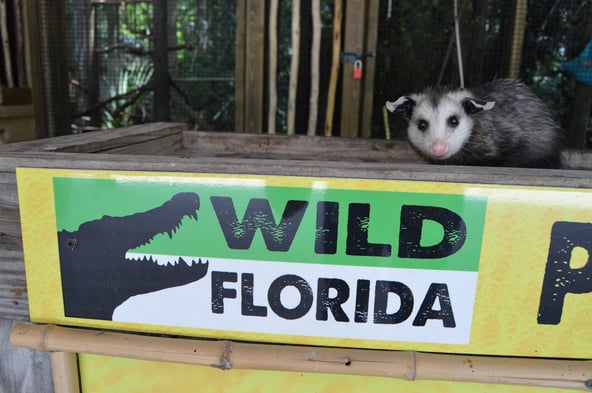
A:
x: 294, y: 66
x: 226, y: 355
x: 335, y: 61
x: 64, y: 367
x: 314, y: 67
x: 518, y: 28
x: 271, y: 115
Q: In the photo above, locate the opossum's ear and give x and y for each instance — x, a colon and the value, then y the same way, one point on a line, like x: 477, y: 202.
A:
x: 473, y: 105
x: 403, y: 106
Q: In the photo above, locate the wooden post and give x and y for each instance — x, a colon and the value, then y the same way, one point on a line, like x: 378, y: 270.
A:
x: 273, y: 33
x: 314, y: 68
x: 250, y: 61
x: 160, y: 77
x: 351, y: 93
x: 369, y: 68
x: 54, y: 61
x: 239, y: 71
x: 580, y: 116
x: 293, y: 88
x: 6, y: 44
x: 335, y: 63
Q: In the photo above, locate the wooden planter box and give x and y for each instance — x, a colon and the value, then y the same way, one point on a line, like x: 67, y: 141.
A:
x: 171, y: 147
x: 166, y: 147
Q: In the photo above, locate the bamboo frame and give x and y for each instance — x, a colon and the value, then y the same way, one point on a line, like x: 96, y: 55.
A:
x: 64, y: 368
x: 227, y: 355
x: 519, y: 25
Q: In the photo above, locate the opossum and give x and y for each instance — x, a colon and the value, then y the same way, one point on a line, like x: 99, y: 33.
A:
x: 502, y: 123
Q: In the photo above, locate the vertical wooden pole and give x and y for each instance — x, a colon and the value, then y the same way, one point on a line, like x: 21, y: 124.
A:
x: 314, y: 67
x: 64, y: 367
x: 6, y: 44
x: 369, y: 68
x: 239, y: 78
x: 273, y: 32
x: 254, y: 68
x: 293, y: 88
x: 33, y: 64
x: 160, y: 77
x: 335, y: 63
x: 580, y: 116
x: 351, y: 95
x: 54, y: 61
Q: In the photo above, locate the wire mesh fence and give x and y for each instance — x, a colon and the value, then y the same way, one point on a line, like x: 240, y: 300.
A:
x: 110, y: 46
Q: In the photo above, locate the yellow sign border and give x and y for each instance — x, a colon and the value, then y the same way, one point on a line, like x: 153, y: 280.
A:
x: 516, y: 233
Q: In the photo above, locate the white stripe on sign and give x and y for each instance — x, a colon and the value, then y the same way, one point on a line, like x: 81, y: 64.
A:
x: 337, y: 301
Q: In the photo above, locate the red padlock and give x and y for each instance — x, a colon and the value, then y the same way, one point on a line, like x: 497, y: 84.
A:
x: 358, y: 69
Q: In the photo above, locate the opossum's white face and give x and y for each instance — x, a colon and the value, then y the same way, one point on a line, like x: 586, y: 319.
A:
x: 439, y: 128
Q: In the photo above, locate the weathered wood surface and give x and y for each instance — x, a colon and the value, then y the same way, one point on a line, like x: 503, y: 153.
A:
x: 22, y: 370
x: 297, y: 147
x: 211, y: 152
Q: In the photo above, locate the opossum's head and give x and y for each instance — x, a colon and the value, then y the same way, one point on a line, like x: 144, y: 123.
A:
x: 440, y: 123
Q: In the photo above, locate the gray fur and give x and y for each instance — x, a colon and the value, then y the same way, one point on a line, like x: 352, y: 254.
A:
x: 506, y: 125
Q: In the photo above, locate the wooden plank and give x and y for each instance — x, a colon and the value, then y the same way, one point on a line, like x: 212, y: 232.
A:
x: 300, y: 147
x: 351, y: 92
x: 101, y: 141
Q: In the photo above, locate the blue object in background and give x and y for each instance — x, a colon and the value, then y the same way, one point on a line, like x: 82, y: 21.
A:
x: 581, y: 67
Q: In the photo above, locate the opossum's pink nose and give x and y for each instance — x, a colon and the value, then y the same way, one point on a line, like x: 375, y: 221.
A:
x: 439, y: 149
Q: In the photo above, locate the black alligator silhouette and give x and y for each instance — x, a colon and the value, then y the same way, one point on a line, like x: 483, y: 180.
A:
x: 96, y: 276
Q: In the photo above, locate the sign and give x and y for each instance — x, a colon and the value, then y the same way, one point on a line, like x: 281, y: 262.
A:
x: 339, y: 262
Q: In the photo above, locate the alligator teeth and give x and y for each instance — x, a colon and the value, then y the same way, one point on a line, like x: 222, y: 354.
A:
x: 160, y: 259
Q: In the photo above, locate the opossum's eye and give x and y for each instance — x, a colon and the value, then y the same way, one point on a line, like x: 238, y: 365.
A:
x: 422, y: 125
x: 453, y: 121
